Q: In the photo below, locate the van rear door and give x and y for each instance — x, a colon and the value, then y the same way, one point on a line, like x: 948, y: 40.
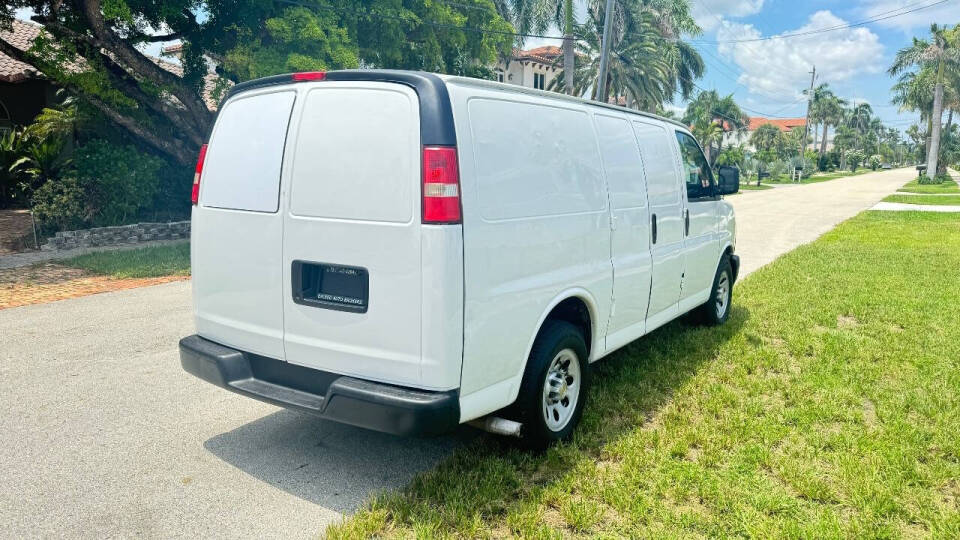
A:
x: 237, y: 225
x: 351, y: 244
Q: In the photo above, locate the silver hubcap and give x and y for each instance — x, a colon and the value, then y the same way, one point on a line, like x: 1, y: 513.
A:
x: 561, y: 389
x: 723, y: 295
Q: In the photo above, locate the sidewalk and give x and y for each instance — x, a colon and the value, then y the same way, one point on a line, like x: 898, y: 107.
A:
x: 905, y: 207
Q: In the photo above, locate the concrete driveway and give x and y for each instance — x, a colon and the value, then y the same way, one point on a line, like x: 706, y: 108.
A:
x: 104, y: 435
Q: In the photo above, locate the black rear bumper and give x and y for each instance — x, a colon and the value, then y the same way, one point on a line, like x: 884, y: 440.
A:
x: 377, y: 406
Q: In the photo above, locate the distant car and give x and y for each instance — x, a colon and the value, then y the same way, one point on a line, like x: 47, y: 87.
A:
x: 886, y: 166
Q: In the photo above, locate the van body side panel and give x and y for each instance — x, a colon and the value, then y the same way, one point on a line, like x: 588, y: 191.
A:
x: 630, y: 228
x: 441, y: 253
x: 658, y: 149
x: 535, y: 224
x: 237, y: 226
x: 354, y: 210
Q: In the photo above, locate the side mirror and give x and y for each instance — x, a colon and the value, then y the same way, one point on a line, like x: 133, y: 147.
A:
x: 729, y: 180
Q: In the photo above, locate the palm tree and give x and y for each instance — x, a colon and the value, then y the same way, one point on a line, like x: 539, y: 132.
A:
x: 536, y: 16
x: 942, y: 54
x: 645, y: 68
x: 709, y: 109
x: 826, y: 109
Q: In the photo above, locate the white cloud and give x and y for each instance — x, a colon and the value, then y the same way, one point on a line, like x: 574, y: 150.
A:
x: 709, y: 13
x: 779, y: 68
x: 945, y: 13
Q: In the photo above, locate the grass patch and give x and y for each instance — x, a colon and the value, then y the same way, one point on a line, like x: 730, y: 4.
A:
x: 754, y: 187
x: 156, y: 261
x: 914, y: 186
x: 953, y: 200
x: 828, y: 406
x: 818, y: 177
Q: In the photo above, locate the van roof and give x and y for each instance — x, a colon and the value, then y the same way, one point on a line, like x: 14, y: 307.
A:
x: 423, y: 80
x: 516, y: 89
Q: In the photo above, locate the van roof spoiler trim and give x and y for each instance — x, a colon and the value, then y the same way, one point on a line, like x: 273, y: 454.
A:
x: 436, y: 114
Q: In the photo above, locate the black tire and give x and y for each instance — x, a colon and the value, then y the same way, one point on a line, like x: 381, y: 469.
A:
x: 710, y: 313
x: 555, y: 337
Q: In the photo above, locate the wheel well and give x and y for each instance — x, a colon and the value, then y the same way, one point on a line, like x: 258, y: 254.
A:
x: 574, y: 311
x: 733, y: 262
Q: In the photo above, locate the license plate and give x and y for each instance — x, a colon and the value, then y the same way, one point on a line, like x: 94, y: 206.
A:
x: 331, y: 286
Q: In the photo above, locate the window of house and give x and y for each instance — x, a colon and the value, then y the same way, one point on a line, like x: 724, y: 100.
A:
x: 499, y: 76
x: 696, y: 171
x: 539, y: 81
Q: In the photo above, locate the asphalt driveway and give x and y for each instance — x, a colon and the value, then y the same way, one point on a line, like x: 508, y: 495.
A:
x: 105, y: 435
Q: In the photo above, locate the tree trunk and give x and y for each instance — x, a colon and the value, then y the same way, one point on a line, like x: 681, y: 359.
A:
x: 823, y: 141
x: 932, y: 154
x: 568, y: 56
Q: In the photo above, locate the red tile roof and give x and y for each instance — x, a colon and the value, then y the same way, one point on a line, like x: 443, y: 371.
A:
x: 545, y: 55
x: 785, y: 124
x: 22, y: 34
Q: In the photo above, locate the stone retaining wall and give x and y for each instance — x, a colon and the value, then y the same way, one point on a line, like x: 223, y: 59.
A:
x: 120, y: 235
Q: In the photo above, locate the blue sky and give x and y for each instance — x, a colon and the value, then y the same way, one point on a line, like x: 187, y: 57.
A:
x: 768, y: 76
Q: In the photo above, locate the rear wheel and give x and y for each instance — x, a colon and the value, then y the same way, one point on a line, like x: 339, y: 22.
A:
x: 717, y: 309
x: 554, y: 388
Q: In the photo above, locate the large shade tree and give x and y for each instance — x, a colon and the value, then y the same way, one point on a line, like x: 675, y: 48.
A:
x: 95, y: 49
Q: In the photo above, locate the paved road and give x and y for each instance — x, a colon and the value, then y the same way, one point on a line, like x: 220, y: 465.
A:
x: 774, y: 221
x: 104, y: 435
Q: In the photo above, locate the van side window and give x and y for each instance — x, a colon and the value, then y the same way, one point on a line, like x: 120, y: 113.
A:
x: 696, y: 171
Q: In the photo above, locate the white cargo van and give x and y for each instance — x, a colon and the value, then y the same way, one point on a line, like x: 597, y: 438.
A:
x: 406, y: 251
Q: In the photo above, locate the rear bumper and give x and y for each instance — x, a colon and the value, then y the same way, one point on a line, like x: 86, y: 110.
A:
x: 367, y: 404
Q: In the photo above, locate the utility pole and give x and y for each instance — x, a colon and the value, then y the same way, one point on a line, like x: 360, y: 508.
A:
x: 806, y: 123
x: 605, y: 53
x: 568, y: 54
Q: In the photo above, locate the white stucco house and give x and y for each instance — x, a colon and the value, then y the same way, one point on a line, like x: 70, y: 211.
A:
x: 533, y: 68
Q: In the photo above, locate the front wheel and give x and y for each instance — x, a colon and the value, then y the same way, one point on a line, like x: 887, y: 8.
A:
x: 555, y: 384
x: 716, y: 310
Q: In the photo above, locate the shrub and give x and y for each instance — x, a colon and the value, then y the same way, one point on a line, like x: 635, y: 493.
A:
x: 60, y: 203
x: 119, y: 180
x: 807, y: 165
x: 875, y: 161
x: 854, y: 159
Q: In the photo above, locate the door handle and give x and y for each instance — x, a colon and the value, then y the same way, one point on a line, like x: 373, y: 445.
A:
x: 686, y: 222
x: 653, y: 227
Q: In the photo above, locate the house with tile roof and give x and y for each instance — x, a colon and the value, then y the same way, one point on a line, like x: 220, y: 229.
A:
x: 23, y: 91
x: 533, y: 68
x: 786, y: 125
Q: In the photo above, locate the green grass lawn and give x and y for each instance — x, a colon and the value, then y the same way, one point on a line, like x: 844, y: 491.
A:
x: 754, y: 187
x: 818, y: 177
x: 915, y: 187
x: 828, y: 406
x: 925, y: 199
x: 169, y: 260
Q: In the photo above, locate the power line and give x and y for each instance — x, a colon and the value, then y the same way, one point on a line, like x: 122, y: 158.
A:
x: 829, y: 29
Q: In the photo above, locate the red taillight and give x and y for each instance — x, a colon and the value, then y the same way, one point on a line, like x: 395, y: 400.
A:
x: 441, y: 185
x: 309, y: 76
x: 195, y: 194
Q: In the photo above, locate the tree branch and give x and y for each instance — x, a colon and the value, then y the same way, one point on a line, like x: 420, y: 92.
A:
x: 167, y: 145
x: 143, y: 66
